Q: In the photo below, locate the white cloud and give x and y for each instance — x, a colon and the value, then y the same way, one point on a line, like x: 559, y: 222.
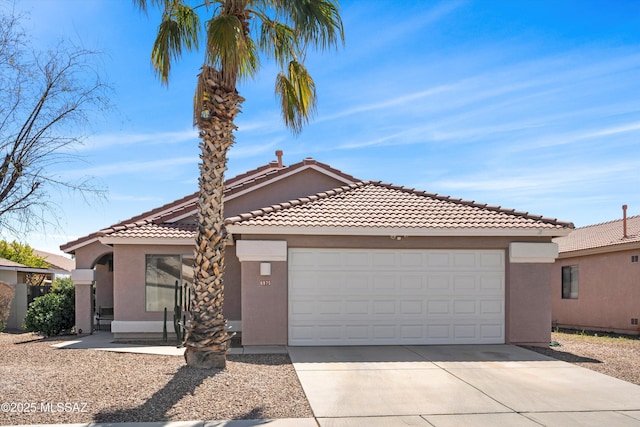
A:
x: 131, y: 167
x: 108, y: 140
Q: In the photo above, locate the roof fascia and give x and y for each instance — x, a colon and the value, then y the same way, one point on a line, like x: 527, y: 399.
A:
x: 30, y: 269
x: 72, y: 249
x: 389, y: 231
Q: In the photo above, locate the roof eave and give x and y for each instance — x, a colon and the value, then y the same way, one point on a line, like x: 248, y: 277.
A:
x: 79, y: 244
x: 599, y: 250
x: 395, y: 231
x: 32, y: 270
x: 181, y: 241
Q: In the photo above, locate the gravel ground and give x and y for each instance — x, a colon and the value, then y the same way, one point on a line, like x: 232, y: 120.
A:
x: 613, y: 355
x: 80, y: 386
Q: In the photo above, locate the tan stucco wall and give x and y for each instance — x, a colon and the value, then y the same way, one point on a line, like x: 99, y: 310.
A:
x: 527, y: 299
x: 104, y: 286
x: 528, y: 304
x: 266, y: 310
x: 302, y: 184
x: 232, y: 288
x: 608, y: 293
x: 87, y: 256
x: 129, y: 280
x: 84, y: 311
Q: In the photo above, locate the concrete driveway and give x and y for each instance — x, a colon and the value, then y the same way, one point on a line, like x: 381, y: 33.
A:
x: 470, y: 385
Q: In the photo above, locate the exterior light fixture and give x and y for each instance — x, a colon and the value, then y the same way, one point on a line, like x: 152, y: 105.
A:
x: 265, y: 269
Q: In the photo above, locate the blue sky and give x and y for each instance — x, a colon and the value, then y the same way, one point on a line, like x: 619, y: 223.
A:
x: 532, y: 105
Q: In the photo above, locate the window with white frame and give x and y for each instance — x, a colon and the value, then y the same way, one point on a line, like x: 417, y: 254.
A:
x: 161, y: 274
x: 570, y: 282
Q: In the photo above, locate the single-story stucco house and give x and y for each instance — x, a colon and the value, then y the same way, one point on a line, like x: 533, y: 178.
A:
x: 318, y: 257
x: 596, y: 279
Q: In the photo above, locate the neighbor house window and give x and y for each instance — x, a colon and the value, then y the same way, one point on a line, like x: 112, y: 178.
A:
x: 570, y: 282
x: 634, y: 258
x: 161, y: 274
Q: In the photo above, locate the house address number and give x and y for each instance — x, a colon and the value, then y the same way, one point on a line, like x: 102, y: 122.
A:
x: 265, y: 282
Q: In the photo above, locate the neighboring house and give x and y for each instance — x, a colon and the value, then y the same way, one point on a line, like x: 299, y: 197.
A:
x: 16, y: 274
x: 596, y: 279
x: 61, y: 264
x: 317, y: 257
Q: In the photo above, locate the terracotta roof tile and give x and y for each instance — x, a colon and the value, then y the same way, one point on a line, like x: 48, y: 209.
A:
x: 160, y: 231
x: 378, y: 205
x: 604, y: 235
x: 187, y: 205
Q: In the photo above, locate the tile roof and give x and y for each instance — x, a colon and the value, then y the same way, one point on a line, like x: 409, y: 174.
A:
x: 372, y: 204
x: 149, y: 230
x: 607, y: 235
x: 57, y: 262
x: 186, y: 206
x: 8, y: 263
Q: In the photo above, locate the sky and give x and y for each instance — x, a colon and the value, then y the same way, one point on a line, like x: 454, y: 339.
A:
x: 530, y: 105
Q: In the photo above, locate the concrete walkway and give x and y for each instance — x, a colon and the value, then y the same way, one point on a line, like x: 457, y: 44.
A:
x: 458, y: 385
x: 103, y: 341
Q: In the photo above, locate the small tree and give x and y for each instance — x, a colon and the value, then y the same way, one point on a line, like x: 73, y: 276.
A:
x: 21, y: 253
x: 7, y: 292
x: 53, y: 313
x: 24, y: 254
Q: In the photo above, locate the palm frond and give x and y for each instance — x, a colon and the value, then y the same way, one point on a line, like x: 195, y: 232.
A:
x: 297, y: 93
x: 178, y: 29
x: 278, y: 41
x: 317, y: 22
x: 230, y: 50
x: 143, y: 4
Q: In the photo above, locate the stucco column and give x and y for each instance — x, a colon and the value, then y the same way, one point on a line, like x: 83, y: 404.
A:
x: 264, y: 291
x: 529, y: 297
x: 83, y: 281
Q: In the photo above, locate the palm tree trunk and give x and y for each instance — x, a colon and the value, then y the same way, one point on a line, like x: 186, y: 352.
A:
x: 207, y: 339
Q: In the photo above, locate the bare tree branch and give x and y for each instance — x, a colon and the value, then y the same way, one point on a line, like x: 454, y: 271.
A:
x: 46, y: 102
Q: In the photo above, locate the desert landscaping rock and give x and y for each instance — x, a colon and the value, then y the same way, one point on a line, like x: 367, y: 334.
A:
x: 80, y: 386
x: 615, y: 356
x: 49, y: 385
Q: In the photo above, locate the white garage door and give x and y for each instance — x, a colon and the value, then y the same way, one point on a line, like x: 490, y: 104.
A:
x: 371, y: 296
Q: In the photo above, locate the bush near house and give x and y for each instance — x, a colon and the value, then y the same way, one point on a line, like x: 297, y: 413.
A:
x: 6, y: 295
x: 55, y: 312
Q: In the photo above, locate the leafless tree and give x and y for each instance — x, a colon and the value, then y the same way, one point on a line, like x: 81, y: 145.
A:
x: 47, y: 101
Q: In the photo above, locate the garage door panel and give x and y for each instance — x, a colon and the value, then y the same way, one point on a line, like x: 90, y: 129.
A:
x: 493, y: 282
x: 492, y: 307
x: 413, y: 282
x: 438, y: 282
x: 439, y: 259
x: 415, y: 307
x: 347, y: 297
x: 464, y: 283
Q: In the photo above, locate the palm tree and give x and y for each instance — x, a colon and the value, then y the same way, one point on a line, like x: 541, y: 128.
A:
x: 237, y: 33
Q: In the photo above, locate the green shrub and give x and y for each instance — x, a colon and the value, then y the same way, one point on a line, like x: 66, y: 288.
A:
x: 53, y: 313
x: 6, y: 295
